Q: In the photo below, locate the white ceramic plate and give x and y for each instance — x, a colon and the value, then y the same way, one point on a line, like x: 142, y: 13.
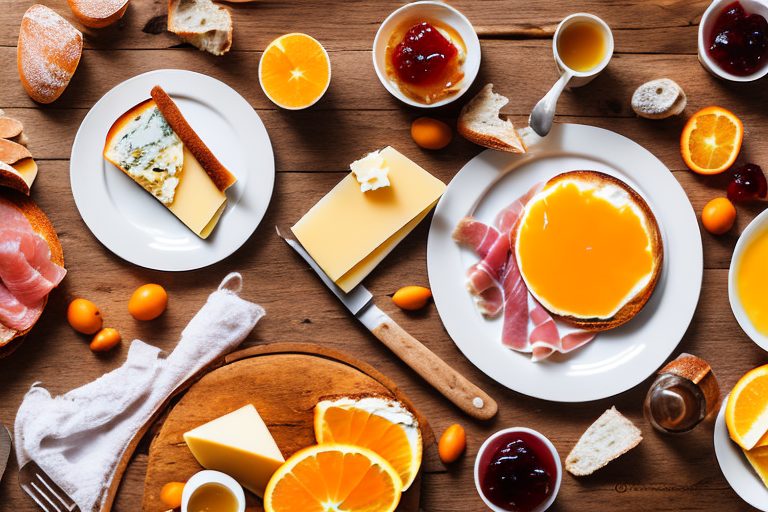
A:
x: 735, y: 466
x: 616, y: 360
x: 757, y: 227
x: 133, y: 224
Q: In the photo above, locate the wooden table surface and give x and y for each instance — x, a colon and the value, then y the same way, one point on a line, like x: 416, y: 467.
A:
x: 654, y: 38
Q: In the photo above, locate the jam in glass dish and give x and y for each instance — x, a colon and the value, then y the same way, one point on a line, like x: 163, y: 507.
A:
x: 425, y: 59
x: 738, y: 41
x: 517, y: 471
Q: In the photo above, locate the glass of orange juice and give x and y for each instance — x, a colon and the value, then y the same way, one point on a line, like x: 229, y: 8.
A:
x: 582, y: 46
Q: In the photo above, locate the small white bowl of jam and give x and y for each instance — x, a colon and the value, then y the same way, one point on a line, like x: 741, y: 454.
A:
x: 212, y: 490
x: 748, y: 280
x: 518, y: 470
x: 426, y: 54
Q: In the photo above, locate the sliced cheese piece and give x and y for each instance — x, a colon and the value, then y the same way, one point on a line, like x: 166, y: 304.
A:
x: 349, y: 232
x: 18, y: 176
x: 197, y: 203
x: 238, y: 444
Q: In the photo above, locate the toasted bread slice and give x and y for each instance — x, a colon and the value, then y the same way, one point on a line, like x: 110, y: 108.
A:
x: 41, y: 225
x: 10, y: 128
x: 218, y: 173
x: 479, y: 122
x: 632, y: 305
x: 48, y: 53
x: 98, y: 13
x: 609, y: 437
x: 201, y: 23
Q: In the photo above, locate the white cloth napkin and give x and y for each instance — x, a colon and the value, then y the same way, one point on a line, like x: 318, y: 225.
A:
x: 78, y: 438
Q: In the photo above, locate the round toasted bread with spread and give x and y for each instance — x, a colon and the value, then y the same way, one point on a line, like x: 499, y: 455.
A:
x: 41, y: 225
x: 589, y: 249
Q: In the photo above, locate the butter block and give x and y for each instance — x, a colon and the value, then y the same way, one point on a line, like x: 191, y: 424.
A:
x: 371, y: 172
x: 238, y: 444
x: 349, y: 232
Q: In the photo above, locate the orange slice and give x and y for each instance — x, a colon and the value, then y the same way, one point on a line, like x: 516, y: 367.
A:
x: 294, y: 71
x: 711, y: 140
x: 380, y: 424
x: 746, y: 413
x: 758, y: 458
x: 330, y: 477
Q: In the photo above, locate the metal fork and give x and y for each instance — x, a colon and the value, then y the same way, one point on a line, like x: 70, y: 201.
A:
x: 41, y: 488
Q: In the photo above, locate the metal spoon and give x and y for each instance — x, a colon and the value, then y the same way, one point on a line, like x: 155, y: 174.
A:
x: 544, y: 112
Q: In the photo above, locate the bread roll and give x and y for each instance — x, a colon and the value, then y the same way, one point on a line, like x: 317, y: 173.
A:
x: 98, y: 13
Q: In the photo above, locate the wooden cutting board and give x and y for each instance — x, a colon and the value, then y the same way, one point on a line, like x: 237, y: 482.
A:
x: 283, y: 381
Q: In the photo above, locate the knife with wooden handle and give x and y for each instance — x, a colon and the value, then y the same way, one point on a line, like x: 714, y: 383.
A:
x: 454, y: 386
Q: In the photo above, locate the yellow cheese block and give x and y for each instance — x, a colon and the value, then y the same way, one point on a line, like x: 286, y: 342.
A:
x: 348, y: 232
x: 758, y: 457
x: 27, y: 168
x: 238, y: 444
x: 198, y: 203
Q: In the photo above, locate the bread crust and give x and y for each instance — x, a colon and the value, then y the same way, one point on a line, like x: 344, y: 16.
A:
x: 11, y: 152
x: 635, y: 305
x: 97, y: 21
x: 222, y: 178
x: 41, y: 225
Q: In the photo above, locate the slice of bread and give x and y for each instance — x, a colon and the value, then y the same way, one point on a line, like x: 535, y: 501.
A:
x: 98, y: 13
x: 202, y: 24
x: 608, y: 438
x: 479, y: 122
x: 48, y: 53
x: 43, y: 227
x: 634, y: 304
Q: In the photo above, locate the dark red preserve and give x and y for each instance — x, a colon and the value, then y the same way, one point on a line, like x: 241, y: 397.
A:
x: 424, y: 55
x: 739, y: 40
x: 517, y: 472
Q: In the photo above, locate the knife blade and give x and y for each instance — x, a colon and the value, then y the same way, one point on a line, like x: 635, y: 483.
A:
x: 5, y: 449
x: 359, y: 301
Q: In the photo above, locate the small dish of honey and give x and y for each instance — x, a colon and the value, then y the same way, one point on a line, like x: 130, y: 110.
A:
x: 426, y: 54
x: 212, y: 491
x: 583, y: 46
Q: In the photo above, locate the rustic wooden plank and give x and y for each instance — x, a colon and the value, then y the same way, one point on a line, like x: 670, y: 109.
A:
x: 668, y: 28
x: 523, y: 73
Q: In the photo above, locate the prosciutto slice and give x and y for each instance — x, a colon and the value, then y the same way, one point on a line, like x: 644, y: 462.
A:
x: 14, y: 314
x: 497, y: 285
x: 23, y: 280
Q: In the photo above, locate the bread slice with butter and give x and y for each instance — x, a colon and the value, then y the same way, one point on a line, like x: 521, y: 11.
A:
x: 155, y: 146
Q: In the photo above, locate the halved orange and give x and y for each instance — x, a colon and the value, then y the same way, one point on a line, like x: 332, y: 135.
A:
x: 746, y: 412
x: 330, y: 477
x: 381, y: 424
x: 711, y: 140
x: 294, y: 71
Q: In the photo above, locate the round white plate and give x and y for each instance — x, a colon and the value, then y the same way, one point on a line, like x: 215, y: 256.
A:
x: 136, y: 226
x: 735, y: 466
x: 616, y: 360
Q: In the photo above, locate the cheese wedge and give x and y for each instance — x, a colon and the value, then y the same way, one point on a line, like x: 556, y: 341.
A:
x: 154, y: 145
x: 349, y: 232
x: 238, y: 444
x: 19, y: 176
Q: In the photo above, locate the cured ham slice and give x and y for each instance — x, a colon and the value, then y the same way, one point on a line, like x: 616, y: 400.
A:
x: 38, y: 254
x: 25, y: 282
x: 497, y: 285
x: 14, y: 314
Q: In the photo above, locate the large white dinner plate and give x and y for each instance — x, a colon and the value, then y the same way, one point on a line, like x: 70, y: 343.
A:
x: 616, y: 360
x: 735, y: 466
x: 136, y: 226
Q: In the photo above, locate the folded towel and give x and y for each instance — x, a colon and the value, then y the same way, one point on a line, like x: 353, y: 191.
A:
x: 79, y: 438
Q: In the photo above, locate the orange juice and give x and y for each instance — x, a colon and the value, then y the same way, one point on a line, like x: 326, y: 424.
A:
x: 212, y: 498
x: 582, y: 45
x: 752, y: 281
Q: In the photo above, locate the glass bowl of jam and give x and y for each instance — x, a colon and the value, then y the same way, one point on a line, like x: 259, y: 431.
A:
x: 426, y: 54
x: 733, y: 39
x: 518, y: 470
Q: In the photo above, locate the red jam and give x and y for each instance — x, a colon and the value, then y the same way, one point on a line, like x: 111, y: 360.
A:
x: 739, y: 40
x: 425, y: 59
x: 517, y: 472
x: 748, y: 183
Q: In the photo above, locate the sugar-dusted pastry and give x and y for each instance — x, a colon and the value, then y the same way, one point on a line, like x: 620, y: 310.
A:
x: 98, y: 13
x: 659, y: 99
x: 48, y: 53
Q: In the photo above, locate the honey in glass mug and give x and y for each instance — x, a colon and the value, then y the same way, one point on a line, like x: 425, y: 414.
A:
x: 212, y: 497
x: 582, y: 45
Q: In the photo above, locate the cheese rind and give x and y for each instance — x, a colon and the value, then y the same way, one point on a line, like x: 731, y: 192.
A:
x: 348, y: 232
x: 238, y: 444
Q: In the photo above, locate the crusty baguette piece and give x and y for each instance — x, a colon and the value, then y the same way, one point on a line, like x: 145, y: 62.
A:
x: 41, y: 225
x: 222, y: 178
x: 48, y: 53
x: 202, y: 24
x: 98, y: 13
x: 633, y: 306
x: 479, y: 122
x: 609, y: 437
